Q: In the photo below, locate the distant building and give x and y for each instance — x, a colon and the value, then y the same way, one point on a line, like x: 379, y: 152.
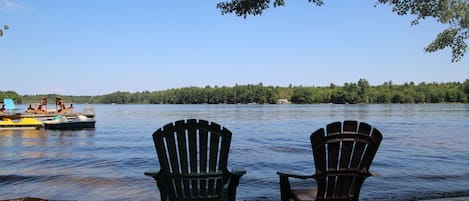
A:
x: 282, y: 101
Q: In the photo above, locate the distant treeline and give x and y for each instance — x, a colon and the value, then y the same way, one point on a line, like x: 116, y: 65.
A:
x: 352, y: 93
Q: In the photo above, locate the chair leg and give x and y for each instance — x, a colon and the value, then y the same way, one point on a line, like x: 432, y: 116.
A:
x: 285, y: 190
x: 163, y: 195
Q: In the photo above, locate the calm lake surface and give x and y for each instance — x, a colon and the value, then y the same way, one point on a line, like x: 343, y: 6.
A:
x: 424, y: 154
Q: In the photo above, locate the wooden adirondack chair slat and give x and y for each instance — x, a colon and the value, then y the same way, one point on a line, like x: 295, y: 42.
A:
x: 320, y: 159
x: 192, y: 138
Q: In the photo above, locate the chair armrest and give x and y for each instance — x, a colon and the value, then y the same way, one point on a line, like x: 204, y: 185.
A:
x: 376, y: 174
x: 285, y: 189
x: 235, y: 175
x: 237, y: 171
x: 297, y: 176
x: 153, y: 174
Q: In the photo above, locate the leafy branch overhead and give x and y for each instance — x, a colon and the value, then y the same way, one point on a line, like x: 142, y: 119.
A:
x: 454, y: 13
x: 5, y: 27
x: 243, y: 8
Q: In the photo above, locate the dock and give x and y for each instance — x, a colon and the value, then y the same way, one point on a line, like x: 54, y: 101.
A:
x: 43, y: 116
x: 41, y: 111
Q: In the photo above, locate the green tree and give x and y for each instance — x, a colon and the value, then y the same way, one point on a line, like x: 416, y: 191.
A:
x: 384, y: 96
x: 363, y: 88
x: 466, y: 87
x: 398, y: 97
x: 302, y: 95
x: 351, y: 93
x: 10, y: 94
x: 340, y: 97
x: 5, y: 27
x: 453, y: 13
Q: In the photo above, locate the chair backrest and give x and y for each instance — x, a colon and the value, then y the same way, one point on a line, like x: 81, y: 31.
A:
x: 343, y: 154
x: 193, y: 156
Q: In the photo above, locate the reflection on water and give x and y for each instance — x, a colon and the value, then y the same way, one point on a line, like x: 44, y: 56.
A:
x: 33, y: 144
x: 424, y: 152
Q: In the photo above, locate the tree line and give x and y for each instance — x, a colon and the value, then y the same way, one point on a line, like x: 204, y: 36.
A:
x: 360, y: 92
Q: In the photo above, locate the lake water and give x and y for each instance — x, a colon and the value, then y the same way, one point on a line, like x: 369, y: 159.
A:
x: 424, y: 154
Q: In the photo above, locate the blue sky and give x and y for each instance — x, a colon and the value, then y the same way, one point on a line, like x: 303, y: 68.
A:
x: 90, y: 47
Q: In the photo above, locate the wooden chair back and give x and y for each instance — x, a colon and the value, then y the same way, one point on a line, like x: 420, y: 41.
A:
x: 343, y: 153
x: 193, y: 156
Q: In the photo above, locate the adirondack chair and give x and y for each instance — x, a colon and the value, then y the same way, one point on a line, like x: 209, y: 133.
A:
x: 342, y: 154
x: 60, y: 106
x: 193, y: 157
x: 40, y: 108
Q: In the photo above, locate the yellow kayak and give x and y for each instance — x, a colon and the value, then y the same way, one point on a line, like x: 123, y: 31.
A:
x: 23, y: 123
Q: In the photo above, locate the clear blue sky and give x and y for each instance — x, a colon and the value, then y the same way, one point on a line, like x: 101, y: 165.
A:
x: 90, y: 47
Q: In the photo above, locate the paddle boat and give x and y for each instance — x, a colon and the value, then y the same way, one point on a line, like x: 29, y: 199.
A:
x: 69, y: 122
x: 23, y: 123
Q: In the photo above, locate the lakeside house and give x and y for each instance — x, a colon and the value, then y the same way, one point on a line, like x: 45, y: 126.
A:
x: 282, y: 101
